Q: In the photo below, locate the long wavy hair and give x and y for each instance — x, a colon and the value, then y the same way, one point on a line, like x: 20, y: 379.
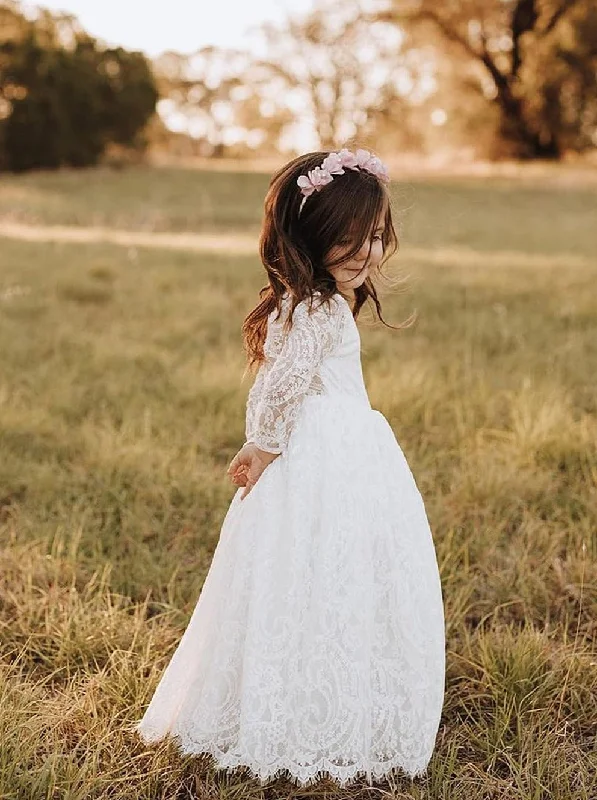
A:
x: 294, y: 248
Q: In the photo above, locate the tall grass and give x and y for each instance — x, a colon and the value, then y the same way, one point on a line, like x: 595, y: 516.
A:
x: 121, y: 406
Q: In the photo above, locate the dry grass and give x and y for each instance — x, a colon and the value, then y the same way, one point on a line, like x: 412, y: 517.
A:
x: 121, y: 406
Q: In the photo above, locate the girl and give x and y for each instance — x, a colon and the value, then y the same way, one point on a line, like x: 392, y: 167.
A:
x: 317, y: 644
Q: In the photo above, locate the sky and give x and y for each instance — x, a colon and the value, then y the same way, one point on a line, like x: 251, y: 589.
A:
x: 182, y: 25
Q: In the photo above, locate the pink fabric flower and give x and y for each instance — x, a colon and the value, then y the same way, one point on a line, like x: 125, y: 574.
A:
x: 319, y: 177
x: 347, y: 159
x: 376, y: 166
x: 314, y: 180
x: 333, y: 164
x: 362, y: 158
x: 305, y: 184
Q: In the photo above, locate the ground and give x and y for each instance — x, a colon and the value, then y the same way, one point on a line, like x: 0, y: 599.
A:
x: 122, y: 295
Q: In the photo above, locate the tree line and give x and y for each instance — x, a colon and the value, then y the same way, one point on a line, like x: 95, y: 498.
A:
x: 63, y: 97
x: 516, y: 77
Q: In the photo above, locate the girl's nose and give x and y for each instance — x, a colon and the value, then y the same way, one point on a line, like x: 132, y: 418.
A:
x: 364, y: 251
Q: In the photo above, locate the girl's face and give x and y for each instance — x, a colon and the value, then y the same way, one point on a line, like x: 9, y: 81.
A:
x: 353, y: 272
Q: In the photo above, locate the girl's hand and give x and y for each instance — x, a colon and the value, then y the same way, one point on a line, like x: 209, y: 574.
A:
x: 247, y: 466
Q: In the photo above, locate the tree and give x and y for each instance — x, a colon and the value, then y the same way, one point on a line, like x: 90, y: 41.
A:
x: 224, y: 98
x: 63, y: 98
x: 345, y: 71
x: 537, y: 61
x: 197, y: 86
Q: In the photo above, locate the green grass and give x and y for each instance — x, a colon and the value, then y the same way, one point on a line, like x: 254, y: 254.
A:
x: 489, y: 214
x: 138, y: 199
x: 121, y: 405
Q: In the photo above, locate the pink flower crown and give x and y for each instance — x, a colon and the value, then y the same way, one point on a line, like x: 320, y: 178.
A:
x: 334, y: 164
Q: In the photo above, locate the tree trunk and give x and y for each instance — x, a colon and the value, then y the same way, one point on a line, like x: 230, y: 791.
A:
x: 522, y: 141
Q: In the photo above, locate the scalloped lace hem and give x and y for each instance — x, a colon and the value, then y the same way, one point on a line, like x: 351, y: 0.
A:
x: 302, y: 775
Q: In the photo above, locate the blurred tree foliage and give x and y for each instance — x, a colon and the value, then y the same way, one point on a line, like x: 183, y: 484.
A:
x: 350, y: 72
x: 63, y: 98
x: 326, y: 76
x: 532, y: 63
x: 218, y: 92
x: 230, y: 100
x: 512, y: 78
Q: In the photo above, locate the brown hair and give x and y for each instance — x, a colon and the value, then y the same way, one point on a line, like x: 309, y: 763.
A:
x: 293, y: 247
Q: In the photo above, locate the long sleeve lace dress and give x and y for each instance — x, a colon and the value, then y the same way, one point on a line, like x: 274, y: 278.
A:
x: 316, y: 646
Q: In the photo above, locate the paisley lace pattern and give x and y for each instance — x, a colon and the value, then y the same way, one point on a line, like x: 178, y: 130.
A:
x: 316, y: 646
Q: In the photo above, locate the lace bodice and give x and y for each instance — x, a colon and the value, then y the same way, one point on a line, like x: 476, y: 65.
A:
x: 319, y: 355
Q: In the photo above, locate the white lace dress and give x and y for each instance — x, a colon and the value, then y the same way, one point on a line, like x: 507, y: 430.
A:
x: 317, y: 643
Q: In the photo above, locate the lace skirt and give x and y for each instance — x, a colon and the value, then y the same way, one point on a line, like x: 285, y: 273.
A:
x: 316, y: 646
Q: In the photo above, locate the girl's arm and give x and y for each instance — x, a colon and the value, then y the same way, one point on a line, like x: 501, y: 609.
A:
x: 284, y: 386
x: 278, y: 392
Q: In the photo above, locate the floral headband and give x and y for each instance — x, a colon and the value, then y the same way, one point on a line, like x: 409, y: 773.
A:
x: 334, y: 164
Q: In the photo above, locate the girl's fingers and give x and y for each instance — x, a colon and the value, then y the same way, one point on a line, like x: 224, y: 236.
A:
x: 234, y: 465
x: 240, y: 476
x: 237, y: 462
x: 254, y: 472
x: 248, y: 486
x: 238, y: 479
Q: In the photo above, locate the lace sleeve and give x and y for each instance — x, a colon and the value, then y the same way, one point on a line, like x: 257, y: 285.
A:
x: 281, y: 386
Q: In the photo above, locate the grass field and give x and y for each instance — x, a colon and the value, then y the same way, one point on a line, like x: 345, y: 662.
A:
x: 121, y: 405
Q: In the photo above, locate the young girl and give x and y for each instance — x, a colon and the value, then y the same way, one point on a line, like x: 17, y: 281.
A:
x: 317, y: 644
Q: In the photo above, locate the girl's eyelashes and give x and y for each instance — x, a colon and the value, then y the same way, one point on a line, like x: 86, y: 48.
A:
x: 348, y: 243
